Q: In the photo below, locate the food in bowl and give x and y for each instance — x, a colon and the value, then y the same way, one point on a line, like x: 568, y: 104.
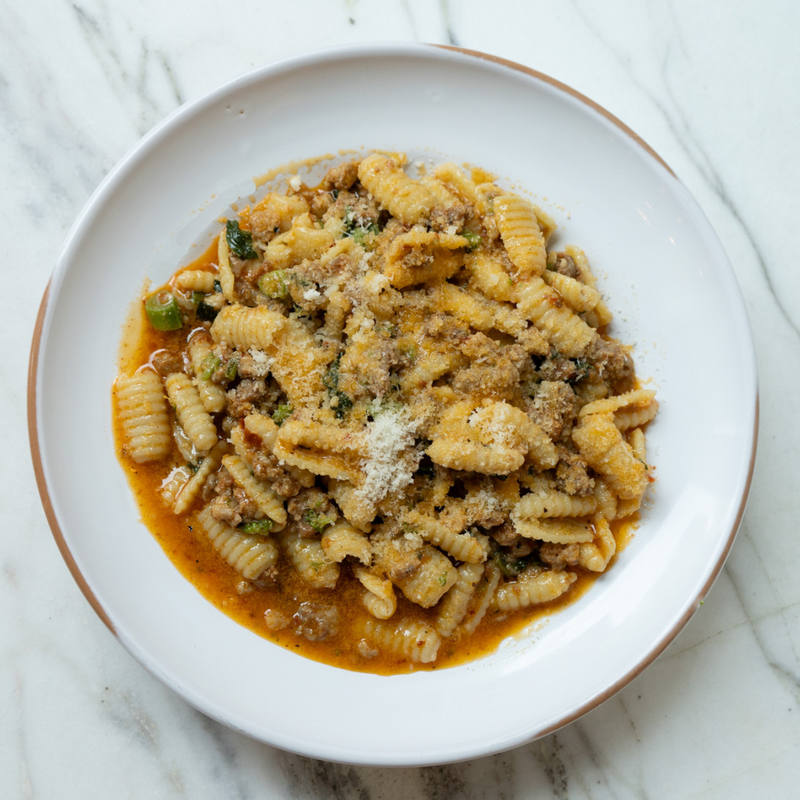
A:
x: 380, y: 420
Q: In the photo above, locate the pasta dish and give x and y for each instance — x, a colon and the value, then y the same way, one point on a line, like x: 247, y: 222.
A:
x: 381, y: 421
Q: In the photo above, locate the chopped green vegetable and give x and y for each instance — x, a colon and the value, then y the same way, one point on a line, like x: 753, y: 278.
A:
x: 340, y: 402
x: 511, y: 567
x: 443, y: 579
x: 232, y: 369
x: 217, y: 286
x: 163, y: 312
x: 583, y: 367
x: 356, y: 229
x: 473, y: 239
x: 240, y: 242
x: 282, y: 413
x: 273, y: 284
x: 256, y: 526
x: 209, y: 366
x: 316, y: 520
x: 206, y: 312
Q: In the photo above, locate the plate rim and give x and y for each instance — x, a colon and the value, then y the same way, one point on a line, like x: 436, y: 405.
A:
x: 209, y: 97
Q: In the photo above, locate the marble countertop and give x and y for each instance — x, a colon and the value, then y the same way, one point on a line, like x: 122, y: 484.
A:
x: 712, y: 87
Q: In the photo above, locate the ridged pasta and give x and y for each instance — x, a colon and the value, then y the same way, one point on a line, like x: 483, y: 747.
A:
x: 602, y: 445
x: 462, y: 546
x: 392, y: 392
x: 453, y: 608
x: 554, y: 504
x: 226, y: 279
x: 248, y: 554
x: 521, y: 235
x: 144, y: 416
x: 404, y: 198
x: 578, y: 296
x: 421, y: 255
x: 481, y: 313
x: 212, y: 396
x: 173, y: 483
x: 413, y: 641
x: 295, y: 360
x: 196, y: 280
x: 556, y: 530
x: 191, y: 489
x: 343, y: 540
x: 481, y: 600
x: 309, y: 559
x: 434, y: 575
x: 321, y: 449
x: 595, y: 555
x: 193, y: 418
x: 566, y: 331
x: 267, y: 501
x: 305, y: 240
x: 606, y: 499
x: 379, y: 598
x: 636, y: 417
x: 636, y: 400
x: 532, y: 589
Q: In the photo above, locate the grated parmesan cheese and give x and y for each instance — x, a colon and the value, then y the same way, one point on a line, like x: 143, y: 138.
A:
x: 311, y: 294
x: 387, y: 468
x: 261, y: 361
x: 295, y: 183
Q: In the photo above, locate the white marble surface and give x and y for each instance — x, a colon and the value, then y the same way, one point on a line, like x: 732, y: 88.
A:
x: 712, y: 87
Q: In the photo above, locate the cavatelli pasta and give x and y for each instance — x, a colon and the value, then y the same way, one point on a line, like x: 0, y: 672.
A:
x: 413, y: 641
x: 455, y: 603
x: 310, y: 561
x: 522, y: 237
x: 399, y: 418
x: 266, y: 500
x: 248, y: 554
x: 144, y: 416
x: 193, y: 418
x: 406, y: 199
x: 532, y: 589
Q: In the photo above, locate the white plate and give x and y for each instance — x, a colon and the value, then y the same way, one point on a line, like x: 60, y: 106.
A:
x: 669, y: 284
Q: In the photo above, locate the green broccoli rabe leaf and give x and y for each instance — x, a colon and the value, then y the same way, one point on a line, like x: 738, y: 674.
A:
x: 256, y: 526
x: 240, y: 242
x: 473, y: 239
x: 316, y: 520
x: 340, y: 402
x: 511, y: 567
x: 282, y: 413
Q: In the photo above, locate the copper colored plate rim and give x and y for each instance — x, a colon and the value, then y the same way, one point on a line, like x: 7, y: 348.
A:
x: 567, y: 90
x: 670, y: 636
x: 38, y: 468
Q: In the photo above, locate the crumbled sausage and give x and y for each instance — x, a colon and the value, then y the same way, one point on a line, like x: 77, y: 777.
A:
x: 244, y: 396
x: 571, y: 473
x: 560, y: 556
x: 316, y: 621
x: 553, y: 408
x: 341, y: 177
x: 166, y: 362
x: 612, y: 363
x: 310, y: 508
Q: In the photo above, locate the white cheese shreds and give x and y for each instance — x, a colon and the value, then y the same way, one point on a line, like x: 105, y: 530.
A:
x: 261, y: 362
x: 390, y: 458
x: 311, y: 294
x: 295, y: 183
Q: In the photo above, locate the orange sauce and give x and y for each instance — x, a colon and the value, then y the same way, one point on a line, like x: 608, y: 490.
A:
x: 186, y: 545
